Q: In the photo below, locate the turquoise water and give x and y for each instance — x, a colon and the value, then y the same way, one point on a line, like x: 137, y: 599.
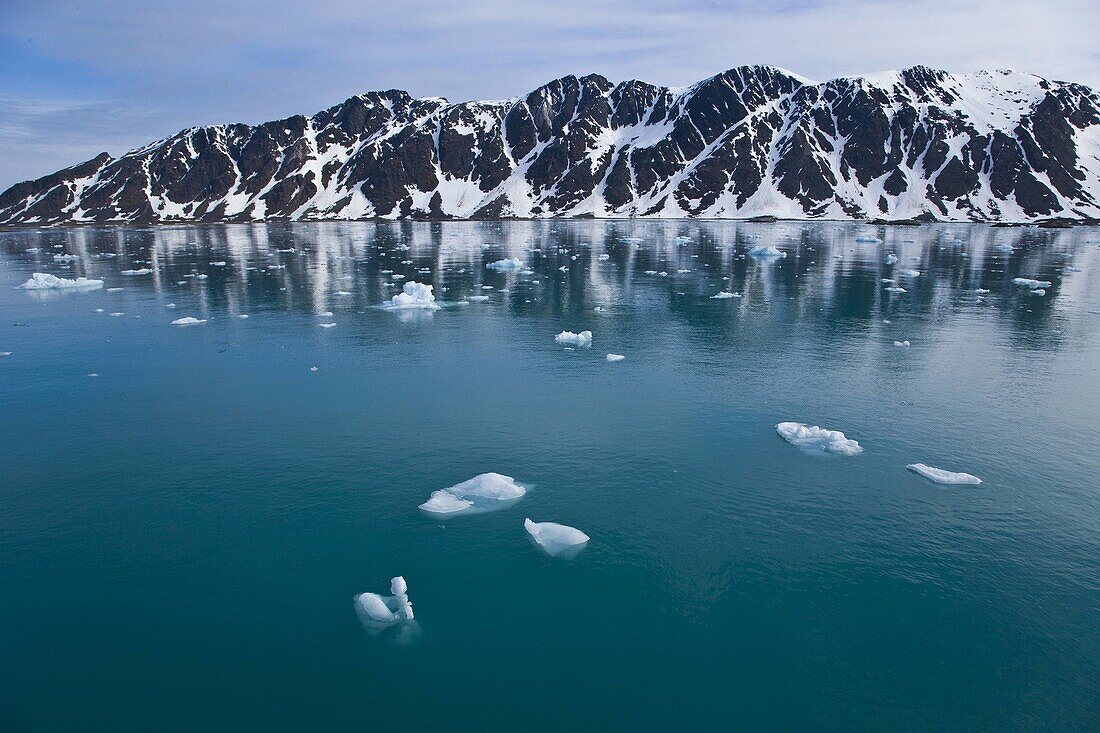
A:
x: 182, y: 535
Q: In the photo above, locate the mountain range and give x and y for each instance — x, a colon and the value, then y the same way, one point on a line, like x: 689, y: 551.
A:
x: 753, y: 141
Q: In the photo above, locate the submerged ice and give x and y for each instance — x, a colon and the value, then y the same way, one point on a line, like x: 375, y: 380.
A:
x: 812, y: 436
x: 485, y: 492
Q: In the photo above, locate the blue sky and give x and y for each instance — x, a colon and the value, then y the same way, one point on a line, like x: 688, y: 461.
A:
x: 77, y: 78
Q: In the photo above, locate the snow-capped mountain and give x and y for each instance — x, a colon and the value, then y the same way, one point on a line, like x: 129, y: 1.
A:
x: 752, y: 141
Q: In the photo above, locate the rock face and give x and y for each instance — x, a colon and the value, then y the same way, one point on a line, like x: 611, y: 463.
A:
x: 750, y: 142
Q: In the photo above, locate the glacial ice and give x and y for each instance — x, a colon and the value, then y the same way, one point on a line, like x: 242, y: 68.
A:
x: 45, y: 281
x: 142, y: 271
x: 766, y: 250
x: 506, y: 264
x: 485, y: 492
x: 327, y: 325
x: 568, y: 337
x: 381, y: 611
x: 811, y: 436
x: 901, y: 343
x: 891, y: 259
x: 868, y: 240
x: 188, y: 321
x: 615, y: 357
x: 894, y: 289
x: 1004, y: 247
x: 725, y: 294
x: 413, y: 295
x: 1033, y: 284
x: 477, y: 298
x: 909, y: 273
x: 557, y: 540
x: 941, y: 476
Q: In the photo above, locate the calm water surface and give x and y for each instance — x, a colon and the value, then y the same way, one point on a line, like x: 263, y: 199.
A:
x: 182, y: 535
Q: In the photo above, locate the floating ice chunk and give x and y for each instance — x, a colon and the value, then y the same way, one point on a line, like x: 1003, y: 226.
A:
x: 116, y: 314
x: 142, y: 271
x: 381, y: 611
x: 557, y: 540
x: 187, y: 321
x: 724, y: 295
x: 766, y: 250
x: 313, y: 369
x: 891, y: 259
x: 602, y: 257
x: 811, y: 436
x: 895, y: 289
x: 1004, y: 247
x: 901, y: 343
x: 506, y: 264
x: 981, y: 291
x: 909, y: 273
x: 1033, y: 284
x: 868, y: 240
x: 5, y: 353
x: 477, y: 298
x: 413, y: 295
x: 242, y: 315
x: 1039, y: 292
x: 65, y: 258
x: 485, y: 492
x: 327, y: 325
x: 941, y: 476
x: 568, y: 337
x: 615, y: 357
x: 45, y: 281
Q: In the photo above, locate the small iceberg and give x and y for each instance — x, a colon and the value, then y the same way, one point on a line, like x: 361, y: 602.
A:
x: 185, y: 321
x: 413, y: 295
x: 941, y: 476
x: 568, y: 337
x: 506, y: 264
x: 724, y: 295
x: 909, y: 273
x: 766, y: 250
x: 477, y: 298
x: 45, y: 281
x: 615, y: 357
x: 868, y: 240
x: 378, y: 612
x: 142, y: 271
x: 895, y: 289
x: 327, y: 325
x: 811, y: 436
x: 485, y: 492
x: 901, y: 343
x: 1004, y: 247
x: 1033, y: 284
x: 891, y: 259
x: 556, y: 540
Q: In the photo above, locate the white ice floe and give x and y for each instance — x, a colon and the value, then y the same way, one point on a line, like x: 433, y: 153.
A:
x: 941, y: 476
x: 485, y: 492
x: 327, y: 325
x: 477, y: 298
x: 811, y: 436
x: 766, y: 250
x: 1033, y: 284
x: 512, y: 263
x: 909, y: 273
x: 615, y: 357
x: 981, y: 291
x: 901, y: 343
x: 568, y: 337
x: 380, y: 611
x: 868, y: 240
x: 723, y: 295
x: 556, y: 540
x: 1004, y: 247
x: 891, y: 259
x: 45, y: 281
x: 1039, y: 292
x: 413, y: 295
x: 895, y: 289
x: 142, y: 271
x: 188, y: 321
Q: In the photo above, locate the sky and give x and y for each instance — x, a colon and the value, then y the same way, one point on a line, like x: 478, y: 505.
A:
x: 79, y: 78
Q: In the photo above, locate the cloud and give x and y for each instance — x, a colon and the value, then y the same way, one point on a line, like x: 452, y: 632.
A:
x: 147, y: 68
